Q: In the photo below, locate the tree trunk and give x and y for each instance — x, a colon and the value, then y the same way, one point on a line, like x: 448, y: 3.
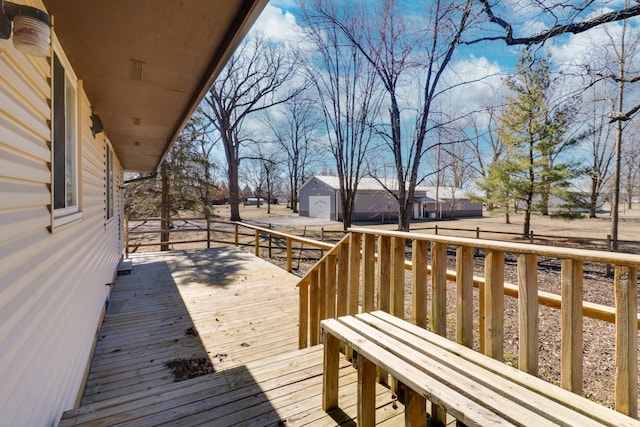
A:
x: 234, y: 192
x: 593, y: 200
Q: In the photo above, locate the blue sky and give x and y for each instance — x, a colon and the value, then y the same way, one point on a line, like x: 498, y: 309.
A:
x: 488, y: 61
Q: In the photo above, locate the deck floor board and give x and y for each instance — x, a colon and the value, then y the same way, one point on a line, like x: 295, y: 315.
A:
x: 245, y: 312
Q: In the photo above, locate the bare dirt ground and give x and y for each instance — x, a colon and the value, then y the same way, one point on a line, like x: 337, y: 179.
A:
x: 599, y: 338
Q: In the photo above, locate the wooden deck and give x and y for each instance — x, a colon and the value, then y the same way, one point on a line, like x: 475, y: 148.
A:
x: 245, y: 311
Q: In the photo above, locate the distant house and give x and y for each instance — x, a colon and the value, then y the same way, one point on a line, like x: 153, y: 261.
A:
x: 320, y: 198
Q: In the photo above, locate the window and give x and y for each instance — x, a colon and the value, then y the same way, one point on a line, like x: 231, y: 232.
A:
x: 65, y: 144
x: 109, y: 177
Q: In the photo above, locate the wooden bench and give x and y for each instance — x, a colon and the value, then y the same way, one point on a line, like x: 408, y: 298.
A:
x: 473, y: 388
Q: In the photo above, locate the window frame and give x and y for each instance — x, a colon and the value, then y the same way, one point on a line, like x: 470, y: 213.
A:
x: 70, y: 211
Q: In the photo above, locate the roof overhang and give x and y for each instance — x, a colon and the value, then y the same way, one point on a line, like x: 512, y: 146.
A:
x: 146, y: 64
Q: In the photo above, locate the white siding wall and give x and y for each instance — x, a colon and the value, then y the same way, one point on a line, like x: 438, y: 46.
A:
x: 52, y: 284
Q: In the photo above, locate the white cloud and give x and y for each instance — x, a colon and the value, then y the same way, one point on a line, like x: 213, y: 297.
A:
x: 475, y: 82
x: 277, y: 25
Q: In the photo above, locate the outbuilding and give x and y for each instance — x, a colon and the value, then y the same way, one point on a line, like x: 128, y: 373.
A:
x: 320, y: 198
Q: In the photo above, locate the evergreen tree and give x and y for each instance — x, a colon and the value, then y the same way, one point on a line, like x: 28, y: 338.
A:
x: 535, y: 137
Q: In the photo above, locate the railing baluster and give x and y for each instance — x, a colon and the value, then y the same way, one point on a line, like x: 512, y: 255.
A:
x: 314, y: 308
x: 419, y: 283
x: 626, y: 296
x: 397, y: 276
x: 571, y: 326
x: 439, y: 288
x: 343, y: 278
x: 494, y: 304
x: 303, y: 315
x: 368, y: 273
x: 384, y: 273
x: 354, y: 272
x: 322, y: 290
x: 464, y: 300
x: 330, y: 286
x: 528, y: 313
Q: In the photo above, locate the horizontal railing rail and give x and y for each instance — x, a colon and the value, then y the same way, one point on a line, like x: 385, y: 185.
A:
x: 365, y: 271
x: 259, y: 237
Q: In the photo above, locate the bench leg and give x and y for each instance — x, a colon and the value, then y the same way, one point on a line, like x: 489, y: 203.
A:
x: 415, y: 409
x: 366, y: 392
x: 330, y: 376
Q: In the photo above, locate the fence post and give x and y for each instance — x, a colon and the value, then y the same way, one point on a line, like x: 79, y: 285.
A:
x: 531, y: 236
x: 236, y: 233
x: 257, y: 243
x: 436, y: 229
x: 289, y: 256
x: 270, y: 226
x: 477, y: 232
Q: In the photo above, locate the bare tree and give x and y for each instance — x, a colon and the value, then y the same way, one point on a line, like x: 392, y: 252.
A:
x: 631, y: 159
x: 601, y: 149
x: 393, y: 50
x: 565, y: 16
x: 486, y: 145
x: 257, y: 77
x: 346, y: 87
x: 297, y: 139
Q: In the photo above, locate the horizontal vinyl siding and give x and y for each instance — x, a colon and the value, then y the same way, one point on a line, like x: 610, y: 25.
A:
x: 52, y: 284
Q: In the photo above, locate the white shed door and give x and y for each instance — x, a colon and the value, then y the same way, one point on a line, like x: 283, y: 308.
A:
x: 320, y: 207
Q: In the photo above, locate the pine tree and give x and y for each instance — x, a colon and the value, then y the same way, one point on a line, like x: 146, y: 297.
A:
x: 534, y: 134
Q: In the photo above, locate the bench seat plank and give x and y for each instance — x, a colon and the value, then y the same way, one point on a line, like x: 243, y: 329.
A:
x: 509, y: 400
x: 462, y: 408
x: 579, y: 404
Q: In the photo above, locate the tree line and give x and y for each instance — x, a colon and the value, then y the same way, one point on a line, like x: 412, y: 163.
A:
x: 369, y: 89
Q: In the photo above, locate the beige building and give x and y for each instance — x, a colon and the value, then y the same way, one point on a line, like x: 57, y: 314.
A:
x: 111, y: 92
x: 320, y: 198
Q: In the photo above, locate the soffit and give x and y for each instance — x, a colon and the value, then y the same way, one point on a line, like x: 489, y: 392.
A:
x: 146, y: 64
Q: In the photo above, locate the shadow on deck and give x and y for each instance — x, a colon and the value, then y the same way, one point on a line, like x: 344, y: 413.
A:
x: 245, y: 311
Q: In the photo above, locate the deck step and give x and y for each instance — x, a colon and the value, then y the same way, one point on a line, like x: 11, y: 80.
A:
x: 125, y: 267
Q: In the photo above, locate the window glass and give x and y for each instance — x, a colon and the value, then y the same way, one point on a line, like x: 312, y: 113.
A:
x: 65, y: 142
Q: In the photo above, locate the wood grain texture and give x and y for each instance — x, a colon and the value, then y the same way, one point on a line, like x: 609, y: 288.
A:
x: 571, y: 326
x: 528, y: 313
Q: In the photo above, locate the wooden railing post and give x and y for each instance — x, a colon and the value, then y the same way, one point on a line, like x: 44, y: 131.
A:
x: 236, y: 233
x: 289, y: 255
x: 571, y: 326
x: 384, y: 273
x: 368, y: 273
x: 270, y: 238
x: 397, y: 277
x: 257, y: 243
x: 464, y: 300
x: 419, y: 283
x: 626, y: 297
x: 528, y: 313
x: 494, y: 304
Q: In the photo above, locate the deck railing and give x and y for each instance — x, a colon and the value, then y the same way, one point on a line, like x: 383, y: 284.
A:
x: 365, y: 271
